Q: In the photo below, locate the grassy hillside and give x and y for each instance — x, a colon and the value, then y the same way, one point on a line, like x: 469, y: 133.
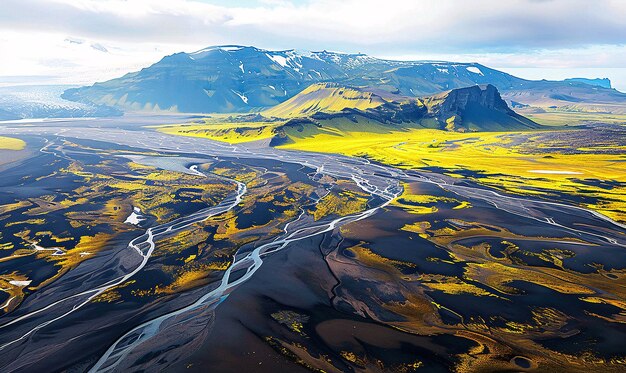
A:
x: 327, y: 98
x: 469, y: 132
x: 328, y: 108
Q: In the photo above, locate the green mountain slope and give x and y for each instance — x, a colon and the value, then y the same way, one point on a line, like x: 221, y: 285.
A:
x: 327, y: 98
x: 476, y: 108
x: 328, y: 108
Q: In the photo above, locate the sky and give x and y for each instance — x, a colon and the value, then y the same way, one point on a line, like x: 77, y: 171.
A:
x: 83, y: 41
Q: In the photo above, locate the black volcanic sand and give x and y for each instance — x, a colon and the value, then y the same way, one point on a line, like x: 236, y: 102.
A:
x: 333, y: 300
x: 38, y: 176
x: 24, y: 181
x: 81, y: 342
x: 305, y: 285
x: 341, y: 301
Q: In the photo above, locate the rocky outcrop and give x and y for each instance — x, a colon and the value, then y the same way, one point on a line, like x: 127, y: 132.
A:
x: 453, y: 102
x: 457, y: 108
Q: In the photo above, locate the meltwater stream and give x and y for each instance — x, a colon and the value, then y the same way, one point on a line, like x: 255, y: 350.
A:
x: 249, y: 263
x: 378, y: 180
x: 143, y: 245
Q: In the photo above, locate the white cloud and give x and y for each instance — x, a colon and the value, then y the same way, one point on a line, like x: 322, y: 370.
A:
x: 62, y: 59
x: 399, y: 24
x: 609, y: 56
x: 139, y: 32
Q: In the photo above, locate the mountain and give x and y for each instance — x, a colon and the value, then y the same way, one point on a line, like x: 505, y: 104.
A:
x: 219, y: 79
x: 568, y: 96
x: 244, y: 79
x: 475, y: 108
x: 330, y: 108
x: 600, y: 82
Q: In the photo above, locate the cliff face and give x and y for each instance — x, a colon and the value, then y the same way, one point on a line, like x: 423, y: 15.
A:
x: 472, y: 108
x: 458, y: 100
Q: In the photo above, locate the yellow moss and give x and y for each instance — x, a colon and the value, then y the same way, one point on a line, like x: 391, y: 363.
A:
x: 218, y: 266
x: 417, y: 203
x: 10, y: 143
x: 87, y: 246
x: 342, y: 204
x: 292, y: 320
x: 14, y: 206
x: 29, y: 221
x: 190, y: 258
x: 352, y: 357
x: 458, y: 288
x: 128, y: 185
x: 613, y: 302
x: 371, y: 259
x: 187, y: 278
x: 107, y: 297
x: 419, y: 228
x: 7, y: 246
x: 489, y: 155
x: 14, y: 290
x: 498, y: 275
x: 230, y: 132
x: 462, y: 205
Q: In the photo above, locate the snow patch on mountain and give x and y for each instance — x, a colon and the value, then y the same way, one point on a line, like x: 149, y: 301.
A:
x: 289, y: 59
x: 203, y: 52
x: 345, y: 60
x: 475, y: 70
x: 241, y: 96
x: 281, y: 60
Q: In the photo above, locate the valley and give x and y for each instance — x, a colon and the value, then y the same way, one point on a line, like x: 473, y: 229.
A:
x: 299, y: 186
x: 270, y: 258
x: 464, y: 133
